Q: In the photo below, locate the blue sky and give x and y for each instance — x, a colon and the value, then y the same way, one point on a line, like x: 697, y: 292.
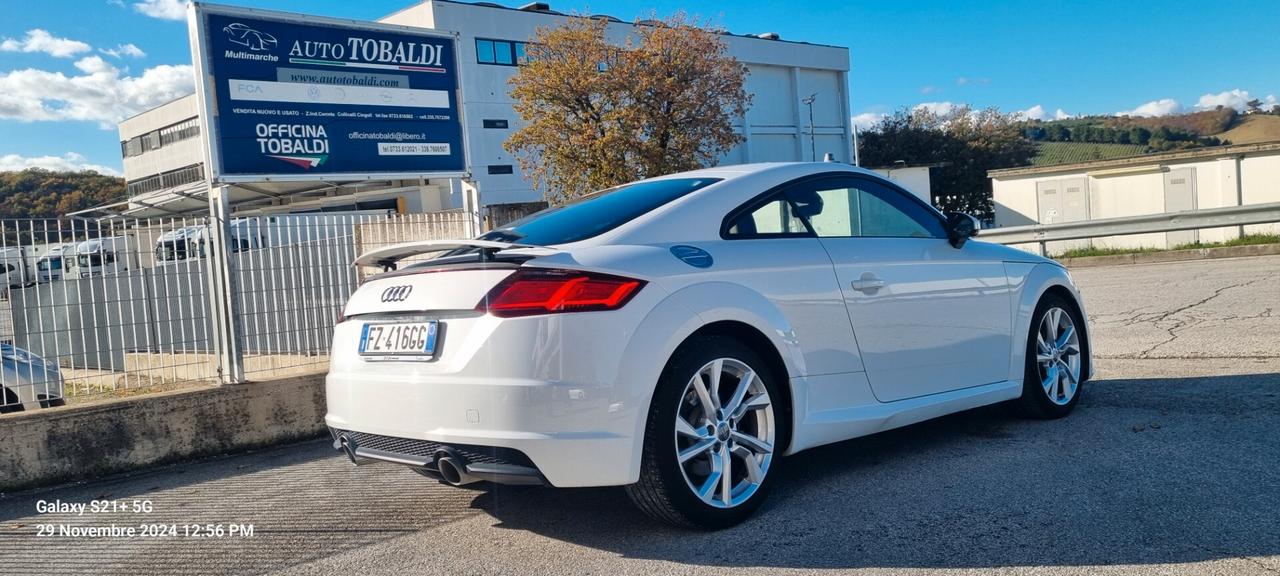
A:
x: 69, y: 69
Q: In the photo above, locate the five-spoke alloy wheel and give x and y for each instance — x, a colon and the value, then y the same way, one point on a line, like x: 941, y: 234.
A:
x: 724, y: 433
x: 1055, y: 371
x: 713, y: 437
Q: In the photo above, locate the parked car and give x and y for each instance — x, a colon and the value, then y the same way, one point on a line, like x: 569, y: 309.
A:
x: 679, y: 335
x: 28, y: 381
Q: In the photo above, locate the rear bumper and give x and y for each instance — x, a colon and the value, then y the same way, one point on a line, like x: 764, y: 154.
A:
x: 499, y: 465
x: 548, y: 387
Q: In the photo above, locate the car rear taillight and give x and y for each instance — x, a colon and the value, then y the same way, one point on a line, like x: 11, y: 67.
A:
x: 532, y: 291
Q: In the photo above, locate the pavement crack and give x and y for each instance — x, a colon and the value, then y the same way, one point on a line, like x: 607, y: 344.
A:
x: 1181, y: 324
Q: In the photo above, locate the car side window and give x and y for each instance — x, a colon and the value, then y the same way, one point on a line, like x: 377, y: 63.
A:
x: 856, y: 207
x: 776, y: 217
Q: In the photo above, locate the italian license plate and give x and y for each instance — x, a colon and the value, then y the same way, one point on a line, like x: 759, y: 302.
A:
x: 399, y: 340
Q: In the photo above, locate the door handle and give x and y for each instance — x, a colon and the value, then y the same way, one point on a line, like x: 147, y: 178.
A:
x: 868, y: 283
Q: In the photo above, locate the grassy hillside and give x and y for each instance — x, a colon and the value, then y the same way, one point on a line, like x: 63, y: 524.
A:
x: 1049, y: 153
x: 1252, y: 129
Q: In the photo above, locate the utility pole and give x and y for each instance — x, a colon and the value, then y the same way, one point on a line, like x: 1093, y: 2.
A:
x: 813, y: 145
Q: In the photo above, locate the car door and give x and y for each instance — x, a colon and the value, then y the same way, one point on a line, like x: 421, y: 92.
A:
x: 929, y: 317
x: 768, y: 248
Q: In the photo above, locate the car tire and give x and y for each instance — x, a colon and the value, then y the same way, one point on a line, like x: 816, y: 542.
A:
x: 666, y: 490
x: 1056, y: 371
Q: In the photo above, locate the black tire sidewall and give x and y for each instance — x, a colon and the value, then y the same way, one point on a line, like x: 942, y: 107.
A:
x: 691, y: 357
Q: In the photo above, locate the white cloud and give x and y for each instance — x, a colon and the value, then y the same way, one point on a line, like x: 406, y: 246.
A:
x: 1033, y: 113
x: 867, y: 120
x: 101, y: 94
x: 67, y: 162
x: 38, y: 40
x: 1162, y: 107
x: 937, y: 108
x: 163, y: 9
x: 123, y: 50
x: 965, y: 80
x: 1236, y: 98
x: 930, y: 89
x: 1038, y: 112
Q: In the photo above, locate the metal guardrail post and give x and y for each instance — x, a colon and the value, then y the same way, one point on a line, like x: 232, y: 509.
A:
x: 226, y: 321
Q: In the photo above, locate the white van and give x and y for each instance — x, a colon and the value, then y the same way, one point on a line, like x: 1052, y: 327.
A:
x: 101, y: 256
x: 13, y: 267
x: 191, y: 242
x: 49, y: 266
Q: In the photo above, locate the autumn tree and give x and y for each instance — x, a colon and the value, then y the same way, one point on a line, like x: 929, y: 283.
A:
x: 597, y: 114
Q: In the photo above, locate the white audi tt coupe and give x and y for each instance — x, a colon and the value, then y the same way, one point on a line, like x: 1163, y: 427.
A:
x: 680, y: 335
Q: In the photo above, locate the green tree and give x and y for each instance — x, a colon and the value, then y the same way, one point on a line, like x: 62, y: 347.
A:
x: 966, y: 142
x: 597, y: 115
x: 1139, y: 135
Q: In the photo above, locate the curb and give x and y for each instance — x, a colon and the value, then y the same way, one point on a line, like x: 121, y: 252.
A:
x: 1172, y: 256
x: 122, y: 434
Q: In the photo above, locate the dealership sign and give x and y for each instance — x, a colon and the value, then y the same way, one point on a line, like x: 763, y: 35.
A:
x: 293, y: 97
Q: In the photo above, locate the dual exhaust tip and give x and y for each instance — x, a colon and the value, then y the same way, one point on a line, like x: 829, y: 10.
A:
x: 448, y: 466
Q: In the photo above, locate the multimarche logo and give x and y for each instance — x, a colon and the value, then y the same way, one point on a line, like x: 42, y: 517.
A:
x: 305, y: 145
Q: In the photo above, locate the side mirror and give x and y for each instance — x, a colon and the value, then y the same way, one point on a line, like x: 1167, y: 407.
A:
x: 960, y: 228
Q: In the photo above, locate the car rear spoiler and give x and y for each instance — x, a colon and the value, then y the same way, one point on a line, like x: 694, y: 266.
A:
x: 387, y: 256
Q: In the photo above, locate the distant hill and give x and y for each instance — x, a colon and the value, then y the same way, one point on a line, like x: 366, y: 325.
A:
x: 1105, y: 137
x: 39, y: 193
x: 1050, y: 153
x: 1252, y: 129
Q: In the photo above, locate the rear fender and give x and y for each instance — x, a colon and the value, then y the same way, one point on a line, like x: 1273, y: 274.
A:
x: 674, y: 320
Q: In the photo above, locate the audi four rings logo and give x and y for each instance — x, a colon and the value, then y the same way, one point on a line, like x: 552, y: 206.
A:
x: 397, y: 293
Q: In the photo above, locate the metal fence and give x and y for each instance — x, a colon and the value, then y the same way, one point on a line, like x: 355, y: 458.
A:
x: 123, y: 306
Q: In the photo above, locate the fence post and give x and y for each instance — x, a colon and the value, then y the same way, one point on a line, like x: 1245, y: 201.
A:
x: 471, y: 205
x: 227, y: 329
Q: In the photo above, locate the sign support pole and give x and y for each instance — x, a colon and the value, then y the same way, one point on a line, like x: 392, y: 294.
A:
x: 224, y: 288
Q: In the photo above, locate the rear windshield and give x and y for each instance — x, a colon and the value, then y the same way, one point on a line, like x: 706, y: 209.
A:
x: 595, y: 214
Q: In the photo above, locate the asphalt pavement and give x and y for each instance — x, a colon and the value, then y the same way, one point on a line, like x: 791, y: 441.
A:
x: 1171, y: 465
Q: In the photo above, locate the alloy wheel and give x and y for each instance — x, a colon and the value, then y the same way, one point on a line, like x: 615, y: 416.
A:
x: 724, y: 433
x: 1058, y: 355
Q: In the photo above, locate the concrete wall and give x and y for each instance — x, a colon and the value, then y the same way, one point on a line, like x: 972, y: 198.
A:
x: 75, y: 442
x: 1224, y: 181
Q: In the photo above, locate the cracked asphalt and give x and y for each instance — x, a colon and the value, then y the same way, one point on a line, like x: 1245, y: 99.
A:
x: 1171, y: 465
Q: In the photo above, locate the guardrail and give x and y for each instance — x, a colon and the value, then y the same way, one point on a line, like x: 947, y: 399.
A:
x: 1144, y: 224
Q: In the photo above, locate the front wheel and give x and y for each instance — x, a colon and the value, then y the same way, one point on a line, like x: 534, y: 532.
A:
x: 711, y: 443
x: 1054, y: 375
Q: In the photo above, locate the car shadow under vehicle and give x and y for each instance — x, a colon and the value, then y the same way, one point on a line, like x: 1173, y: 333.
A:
x: 1146, y: 471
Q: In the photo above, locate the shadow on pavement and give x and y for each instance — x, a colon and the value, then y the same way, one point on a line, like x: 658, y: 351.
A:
x: 1145, y: 471
x: 304, y: 501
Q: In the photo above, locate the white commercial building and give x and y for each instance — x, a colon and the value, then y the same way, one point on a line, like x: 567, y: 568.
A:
x: 1151, y: 184
x: 163, y: 151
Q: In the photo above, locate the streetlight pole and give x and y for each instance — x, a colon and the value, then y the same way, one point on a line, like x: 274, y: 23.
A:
x: 813, y: 145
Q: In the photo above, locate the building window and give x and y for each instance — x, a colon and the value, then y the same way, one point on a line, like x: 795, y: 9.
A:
x: 156, y: 139
x: 170, y: 179
x: 501, y: 169
x: 500, y: 52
